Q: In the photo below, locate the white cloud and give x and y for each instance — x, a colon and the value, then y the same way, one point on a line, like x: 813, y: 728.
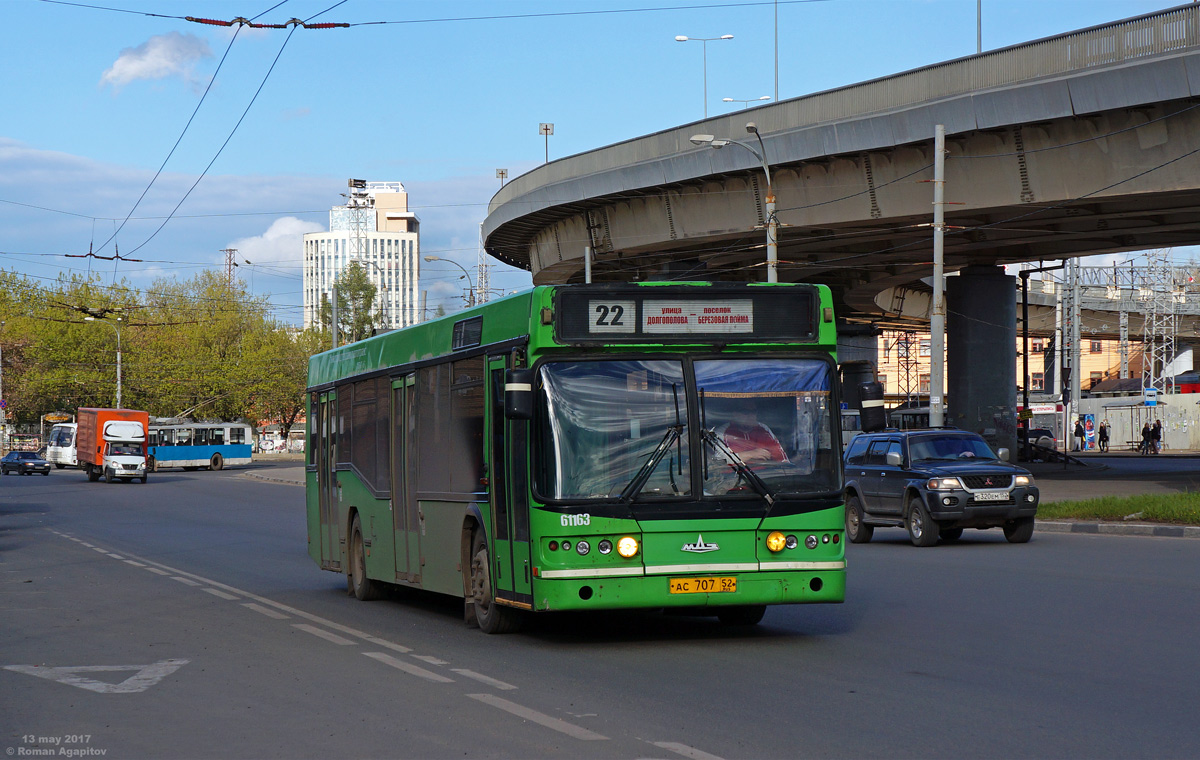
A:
x: 161, y: 56
x: 280, y: 245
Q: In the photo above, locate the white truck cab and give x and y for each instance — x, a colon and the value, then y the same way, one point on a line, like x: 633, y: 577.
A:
x: 124, y: 450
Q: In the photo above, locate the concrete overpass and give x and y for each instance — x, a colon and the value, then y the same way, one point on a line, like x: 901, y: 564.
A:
x: 1083, y: 143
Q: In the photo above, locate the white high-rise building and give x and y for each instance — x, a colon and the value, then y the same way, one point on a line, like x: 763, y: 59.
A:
x: 376, y: 229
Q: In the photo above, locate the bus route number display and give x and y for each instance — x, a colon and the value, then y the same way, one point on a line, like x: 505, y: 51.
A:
x: 612, y: 316
x: 672, y: 317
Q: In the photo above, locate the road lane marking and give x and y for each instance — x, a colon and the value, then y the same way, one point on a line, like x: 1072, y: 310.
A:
x: 135, y: 564
x: 116, y: 556
x: 265, y: 611
x: 185, y: 581
x: 481, y: 678
x: 685, y: 750
x: 542, y: 719
x: 330, y: 637
x: 98, y: 549
x: 385, y: 643
x: 156, y: 570
x: 145, y: 677
x: 429, y: 659
x: 409, y: 668
x: 221, y: 594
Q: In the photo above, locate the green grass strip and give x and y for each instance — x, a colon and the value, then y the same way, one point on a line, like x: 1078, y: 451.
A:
x: 1177, y: 508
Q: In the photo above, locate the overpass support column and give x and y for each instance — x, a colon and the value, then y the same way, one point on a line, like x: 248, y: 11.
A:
x: 981, y: 354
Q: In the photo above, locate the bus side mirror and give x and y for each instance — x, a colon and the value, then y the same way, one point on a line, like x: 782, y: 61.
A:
x: 873, y: 416
x: 518, y: 394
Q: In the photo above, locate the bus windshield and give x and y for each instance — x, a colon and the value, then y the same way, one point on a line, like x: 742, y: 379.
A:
x: 772, y: 417
x: 618, y: 430
x: 607, y: 419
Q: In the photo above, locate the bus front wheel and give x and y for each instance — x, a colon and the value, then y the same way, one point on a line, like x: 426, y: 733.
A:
x: 491, y: 617
x: 216, y: 462
x: 365, y: 589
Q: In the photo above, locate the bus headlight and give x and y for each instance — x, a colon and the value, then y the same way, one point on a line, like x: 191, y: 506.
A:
x: 776, y: 541
x: 627, y: 546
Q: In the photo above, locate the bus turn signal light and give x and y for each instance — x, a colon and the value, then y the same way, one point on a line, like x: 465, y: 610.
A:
x: 627, y: 546
x: 776, y: 541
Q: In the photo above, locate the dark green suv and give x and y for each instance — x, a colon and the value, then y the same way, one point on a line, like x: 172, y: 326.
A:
x: 935, y: 483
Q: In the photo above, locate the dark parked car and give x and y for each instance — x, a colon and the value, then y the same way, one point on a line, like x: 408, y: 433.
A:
x: 935, y: 483
x: 23, y: 462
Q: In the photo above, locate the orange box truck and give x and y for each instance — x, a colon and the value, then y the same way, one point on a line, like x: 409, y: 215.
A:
x: 112, y: 443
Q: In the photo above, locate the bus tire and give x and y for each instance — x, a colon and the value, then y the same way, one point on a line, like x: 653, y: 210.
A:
x: 1019, y: 531
x: 749, y: 614
x: 365, y: 589
x: 151, y: 464
x: 216, y: 463
x: 491, y: 617
x: 58, y: 466
x: 856, y: 530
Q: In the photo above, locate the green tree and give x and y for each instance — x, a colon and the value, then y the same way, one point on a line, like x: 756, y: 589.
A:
x: 356, y: 305
x: 278, y: 360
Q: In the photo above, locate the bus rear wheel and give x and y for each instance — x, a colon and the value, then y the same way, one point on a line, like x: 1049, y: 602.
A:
x: 216, y: 462
x: 491, y: 617
x: 365, y: 589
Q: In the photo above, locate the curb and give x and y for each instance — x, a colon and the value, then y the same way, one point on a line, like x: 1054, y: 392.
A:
x: 270, y: 479
x: 1120, y: 529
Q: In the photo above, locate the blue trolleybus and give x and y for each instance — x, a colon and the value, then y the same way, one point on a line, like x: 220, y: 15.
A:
x: 192, y: 445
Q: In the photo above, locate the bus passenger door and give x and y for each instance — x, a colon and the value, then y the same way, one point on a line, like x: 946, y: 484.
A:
x: 509, y: 531
x: 331, y: 556
x: 403, y: 499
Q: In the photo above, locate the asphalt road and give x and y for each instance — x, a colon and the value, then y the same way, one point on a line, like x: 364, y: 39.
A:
x: 184, y: 619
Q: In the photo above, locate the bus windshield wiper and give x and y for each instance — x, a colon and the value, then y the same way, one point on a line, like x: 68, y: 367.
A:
x: 674, y: 433
x: 630, y: 492
x: 739, y: 466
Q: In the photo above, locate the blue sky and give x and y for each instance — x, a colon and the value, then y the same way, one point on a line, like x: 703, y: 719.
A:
x: 438, y: 99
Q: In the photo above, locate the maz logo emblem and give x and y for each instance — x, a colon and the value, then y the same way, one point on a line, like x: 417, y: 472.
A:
x: 700, y: 547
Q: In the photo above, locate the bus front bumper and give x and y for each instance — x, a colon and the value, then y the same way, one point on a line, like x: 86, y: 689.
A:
x: 654, y: 591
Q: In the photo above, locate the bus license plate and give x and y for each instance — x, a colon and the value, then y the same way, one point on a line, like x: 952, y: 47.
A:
x: 703, y: 585
x: 992, y: 496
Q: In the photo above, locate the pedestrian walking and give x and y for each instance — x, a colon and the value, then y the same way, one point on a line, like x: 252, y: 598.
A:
x: 1156, y: 436
x: 1078, y: 435
x: 1104, y: 436
x: 1147, y: 435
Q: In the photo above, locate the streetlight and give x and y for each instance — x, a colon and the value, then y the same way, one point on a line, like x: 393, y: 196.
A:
x: 704, y: 41
x: 471, y: 297
x: 745, y: 103
x: 117, y: 327
x: 772, y: 222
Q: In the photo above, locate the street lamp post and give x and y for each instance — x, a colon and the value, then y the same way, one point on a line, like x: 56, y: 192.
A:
x: 116, y: 326
x: 745, y: 103
x: 471, y: 290
x: 704, y: 41
x: 772, y: 221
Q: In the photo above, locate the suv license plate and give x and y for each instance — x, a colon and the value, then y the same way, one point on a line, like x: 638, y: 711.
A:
x: 992, y: 496
x: 725, y: 584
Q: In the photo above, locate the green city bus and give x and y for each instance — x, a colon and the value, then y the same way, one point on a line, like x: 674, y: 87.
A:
x: 588, y: 447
